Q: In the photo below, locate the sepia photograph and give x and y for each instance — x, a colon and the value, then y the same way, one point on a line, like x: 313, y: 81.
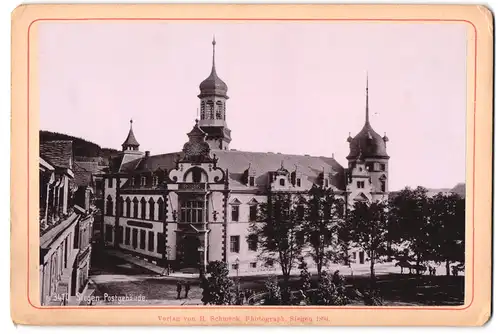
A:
x: 201, y: 163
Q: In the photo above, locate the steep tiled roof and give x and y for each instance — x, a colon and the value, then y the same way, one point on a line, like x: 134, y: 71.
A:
x: 58, y: 152
x: 309, y: 168
x: 83, y: 171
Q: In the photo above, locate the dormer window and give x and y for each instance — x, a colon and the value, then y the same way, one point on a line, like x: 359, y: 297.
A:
x: 360, y: 184
x: 282, y: 182
x: 155, y: 181
x: 143, y: 181
x: 251, y: 181
x: 298, y: 182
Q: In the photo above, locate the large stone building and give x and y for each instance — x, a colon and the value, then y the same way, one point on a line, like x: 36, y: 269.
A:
x: 195, y: 206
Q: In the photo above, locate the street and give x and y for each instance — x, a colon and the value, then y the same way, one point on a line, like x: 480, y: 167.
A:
x: 118, y: 282
x: 116, y: 279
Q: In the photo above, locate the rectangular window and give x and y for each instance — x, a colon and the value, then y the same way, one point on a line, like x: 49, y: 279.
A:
x: 252, y: 242
x: 253, y: 264
x: 326, y: 182
x: 354, y: 256
x: 382, y: 186
x: 382, y: 167
x: 143, y: 181
x: 234, y: 244
x: 192, y: 212
x: 109, y: 233
x: 134, y: 238
x: 235, y: 213
x: 360, y: 184
x: 151, y: 241
x: 235, y: 266
x: 253, y: 213
x: 142, y: 244
x: 251, y: 181
x: 110, y: 183
x: 155, y: 181
x: 160, y: 243
x: 127, y: 235
x: 132, y: 182
x: 119, y: 236
x: 299, y: 182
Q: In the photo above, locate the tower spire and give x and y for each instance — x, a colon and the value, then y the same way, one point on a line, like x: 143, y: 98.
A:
x: 367, y: 116
x: 213, y: 53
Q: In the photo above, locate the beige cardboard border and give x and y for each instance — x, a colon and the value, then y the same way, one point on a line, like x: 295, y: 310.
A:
x: 24, y: 246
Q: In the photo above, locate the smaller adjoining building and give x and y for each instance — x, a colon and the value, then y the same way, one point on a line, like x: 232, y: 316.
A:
x: 66, y: 219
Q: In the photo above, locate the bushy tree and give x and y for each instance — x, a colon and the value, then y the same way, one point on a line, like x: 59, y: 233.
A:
x: 279, y: 230
x: 217, y: 286
x: 368, y: 224
x: 410, y: 222
x: 323, y: 214
x: 447, y: 225
x: 273, y: 296
x: 305, y: 277
x: 329, y: 293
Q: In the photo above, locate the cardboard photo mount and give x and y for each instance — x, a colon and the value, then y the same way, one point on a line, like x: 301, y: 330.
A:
x: 25, y: 307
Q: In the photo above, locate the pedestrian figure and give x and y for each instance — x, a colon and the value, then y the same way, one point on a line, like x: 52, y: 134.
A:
x: 248, y: 294
x: 187, y: 287
x: 241, y: 298
x: 302, y: 298
x: 179, y: 289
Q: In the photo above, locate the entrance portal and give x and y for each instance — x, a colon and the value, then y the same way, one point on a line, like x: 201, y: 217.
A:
x: 191, y: 254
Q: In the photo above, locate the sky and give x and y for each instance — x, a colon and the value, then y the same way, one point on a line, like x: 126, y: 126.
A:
x: 294, y: 88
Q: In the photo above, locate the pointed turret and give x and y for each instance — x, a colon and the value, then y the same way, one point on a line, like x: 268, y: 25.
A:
x: 130, y: 143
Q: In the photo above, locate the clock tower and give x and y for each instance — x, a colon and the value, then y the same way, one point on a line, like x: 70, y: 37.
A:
x: 213, y: 98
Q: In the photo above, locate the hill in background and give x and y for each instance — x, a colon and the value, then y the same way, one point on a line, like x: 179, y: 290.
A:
x: 83, y: 150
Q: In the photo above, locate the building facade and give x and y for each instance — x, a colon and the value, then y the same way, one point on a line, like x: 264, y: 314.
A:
x: 196, y: 205
x: 66, y: 219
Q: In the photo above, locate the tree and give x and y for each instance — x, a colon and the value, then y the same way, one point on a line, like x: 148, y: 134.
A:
x: 410, y: 223
x: 323, y: 213
x: 447, y: 220
x: 368, y: 222
x: 329, y: 293
x: 279, y: 230
x: 273, y: 296
x: 217, y: 286
x: 305, y: 277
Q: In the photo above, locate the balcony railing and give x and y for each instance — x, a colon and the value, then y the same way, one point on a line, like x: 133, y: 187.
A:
x: 193, y: 187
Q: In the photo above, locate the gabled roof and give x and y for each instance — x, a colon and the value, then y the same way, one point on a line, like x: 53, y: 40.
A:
x: 58, y: 152
x: 237, y: 162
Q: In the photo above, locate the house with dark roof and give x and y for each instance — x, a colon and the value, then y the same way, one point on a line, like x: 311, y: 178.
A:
x: 195, y: 205
x: 65, y: 224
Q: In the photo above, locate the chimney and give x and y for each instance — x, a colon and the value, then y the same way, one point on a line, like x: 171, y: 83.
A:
x: 333, y: 156
x: 147, y: 154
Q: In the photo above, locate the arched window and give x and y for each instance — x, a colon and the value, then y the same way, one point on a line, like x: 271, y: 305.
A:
x: 210, y: 105
x: 119, y: 208
x: 218, y: 110
x: 196, y: 175
x: 151, y: 209
x: 143, y: 208
x: 202, y: 111
x: 161, y: 209
x: 109, y: 206
x: 282, y: 182
x: 136, y: 207
x: 127, y: 207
